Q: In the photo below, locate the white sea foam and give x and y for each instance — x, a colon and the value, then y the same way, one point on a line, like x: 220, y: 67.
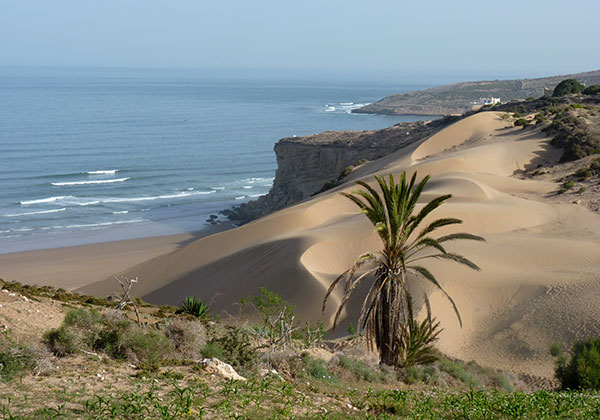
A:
x: 256, y: 195
x: 88, y: 225
x: 346, y: 103
x: 120, y: 212
x: 106, y: 172
x: 218, y: 188
x: 99, y: 181
x: 241, y: 197
x: 155, y: 197
x: 45, y: 200
x: 247, y: 187
x: 29, y: 213
x: 89, y: 203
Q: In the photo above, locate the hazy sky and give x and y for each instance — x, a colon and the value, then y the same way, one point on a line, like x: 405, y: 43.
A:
x: 487, y: 38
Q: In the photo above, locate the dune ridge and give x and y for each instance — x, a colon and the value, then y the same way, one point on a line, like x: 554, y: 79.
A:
x: 539, y: 265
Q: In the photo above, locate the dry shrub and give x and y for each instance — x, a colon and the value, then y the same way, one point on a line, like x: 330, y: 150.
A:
x: 187, y: 337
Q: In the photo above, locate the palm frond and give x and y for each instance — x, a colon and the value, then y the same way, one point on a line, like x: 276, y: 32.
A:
x: 427, y: 275
x: 348, y: 274
x: 459, y: 236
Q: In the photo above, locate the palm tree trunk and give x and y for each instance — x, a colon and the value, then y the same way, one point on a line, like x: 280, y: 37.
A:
x: 391, y: 315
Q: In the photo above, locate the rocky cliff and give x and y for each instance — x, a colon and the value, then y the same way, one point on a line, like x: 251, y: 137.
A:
x: 459, y: 97
x: 310, y: 164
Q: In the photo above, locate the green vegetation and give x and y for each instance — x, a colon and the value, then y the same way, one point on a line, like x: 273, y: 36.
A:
x: 566, y: 186
x: 592, y: 90
x: 522, y: 122
x: 387, y: 307
x: 361, y: 370
x: 581, y: 370
x: 235, y: 347
x: 111, y: 333
x: 195, y: 307
x: 16, y: 359
x: 573, y: 134
x: 568, y: 86
x: 170, y: 399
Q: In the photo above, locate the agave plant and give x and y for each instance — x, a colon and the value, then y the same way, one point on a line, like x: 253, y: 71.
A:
x: 386, y: 309
x: 193, y: 306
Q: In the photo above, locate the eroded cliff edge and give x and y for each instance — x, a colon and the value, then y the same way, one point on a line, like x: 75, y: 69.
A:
x: 310, y: 164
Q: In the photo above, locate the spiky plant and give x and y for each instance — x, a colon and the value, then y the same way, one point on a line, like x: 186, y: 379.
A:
x: 386, y: 306
x: 417, y: 338
x: 196, y: 307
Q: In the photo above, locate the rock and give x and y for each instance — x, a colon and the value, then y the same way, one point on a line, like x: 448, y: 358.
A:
x: 305, y: 164
x: 268, y: 372
x: 217, y: 367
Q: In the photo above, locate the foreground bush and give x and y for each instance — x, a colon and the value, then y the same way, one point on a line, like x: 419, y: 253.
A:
x: 582, y: 369
x: 235, y: 347
x: 15, y: 358
x: 111, y: 333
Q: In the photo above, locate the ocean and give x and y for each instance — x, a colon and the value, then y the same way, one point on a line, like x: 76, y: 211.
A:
x: 90, y: 155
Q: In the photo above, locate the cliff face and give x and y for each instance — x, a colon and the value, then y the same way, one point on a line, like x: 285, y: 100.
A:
x: 458, y: 98
x: 306, y: 164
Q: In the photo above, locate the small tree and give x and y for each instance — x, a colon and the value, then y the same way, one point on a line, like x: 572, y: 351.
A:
x: 278, y: 319
x: 567, y: 87
x: 582, y: 370
x: 386, y: 310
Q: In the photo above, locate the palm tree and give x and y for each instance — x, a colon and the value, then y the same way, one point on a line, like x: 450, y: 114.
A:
x: 387, y: 308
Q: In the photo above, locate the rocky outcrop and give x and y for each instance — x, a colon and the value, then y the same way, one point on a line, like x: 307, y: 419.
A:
x: 460, y: 97
x: 306, y: 164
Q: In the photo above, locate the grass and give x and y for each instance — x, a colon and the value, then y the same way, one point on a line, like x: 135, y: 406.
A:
x: 174, y: 397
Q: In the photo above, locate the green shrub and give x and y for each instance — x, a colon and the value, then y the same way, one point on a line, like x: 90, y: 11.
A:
x: 111, y: 333
x: 236, y: 348
x: 567, y: 87
x: 583, y: 173
x: 80, y: 329
x: 457, y: 371
x: 522, y: 122
x: 592, y: 90
x: 576, y: 106
x: 212, y: 349
x: 582, y: 370
x: 147, y: 347
x: 317, y: 369
x: 361, y: 370
x: 566, y: 186
x: 420, y: 374
x: 195, y: 307
x: 15, y: 358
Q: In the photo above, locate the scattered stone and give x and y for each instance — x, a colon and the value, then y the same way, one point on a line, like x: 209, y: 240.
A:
x: 217, y: 367
x: 268, y: 372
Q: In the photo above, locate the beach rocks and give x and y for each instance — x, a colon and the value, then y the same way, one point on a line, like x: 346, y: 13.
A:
x: 216, y: 367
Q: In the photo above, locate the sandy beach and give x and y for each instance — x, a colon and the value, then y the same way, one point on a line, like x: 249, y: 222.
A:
x: 538, y: 267
x: 76, y: 266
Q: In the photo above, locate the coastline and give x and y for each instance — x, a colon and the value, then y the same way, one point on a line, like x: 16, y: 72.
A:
x: 71, y: 267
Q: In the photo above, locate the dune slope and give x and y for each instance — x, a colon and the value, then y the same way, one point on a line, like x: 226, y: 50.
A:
x: 539, y: 268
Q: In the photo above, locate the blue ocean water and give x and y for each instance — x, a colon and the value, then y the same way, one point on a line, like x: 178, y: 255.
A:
x: 88, y: 155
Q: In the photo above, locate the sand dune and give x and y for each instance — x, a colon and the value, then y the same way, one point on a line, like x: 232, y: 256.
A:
x: 539, y: 267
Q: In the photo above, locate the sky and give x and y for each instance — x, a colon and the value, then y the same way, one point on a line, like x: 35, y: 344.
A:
x: 486, y: 39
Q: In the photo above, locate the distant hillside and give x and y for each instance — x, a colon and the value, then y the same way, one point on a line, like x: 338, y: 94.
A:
x: 459, y: 97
